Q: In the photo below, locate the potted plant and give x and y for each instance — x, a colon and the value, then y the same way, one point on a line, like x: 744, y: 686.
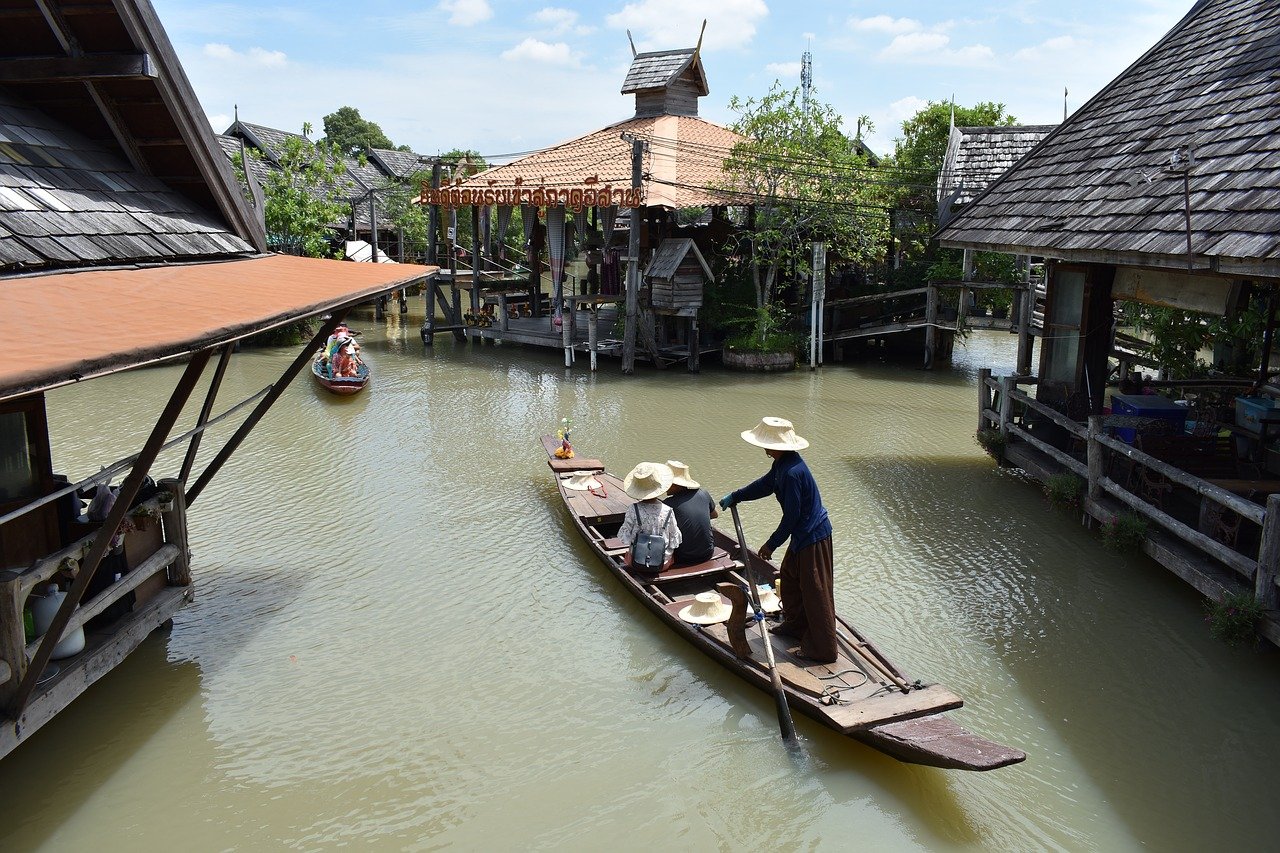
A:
x: 762, y: 342
x: 1000, y: 300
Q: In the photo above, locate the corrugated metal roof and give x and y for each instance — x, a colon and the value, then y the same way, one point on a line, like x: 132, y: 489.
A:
x: 66, y: 200
x: 107, y: 319
x: 1108, y: 182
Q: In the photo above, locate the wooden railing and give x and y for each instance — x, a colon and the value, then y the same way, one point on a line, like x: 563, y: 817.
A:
x: 997, y: 398
x: 156, y: 546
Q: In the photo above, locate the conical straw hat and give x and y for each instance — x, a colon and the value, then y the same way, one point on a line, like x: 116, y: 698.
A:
x: 680, y: 475
x: 581, y: 481
x: 708, y: 608
x: 647, y: 480
x: 774, y: 434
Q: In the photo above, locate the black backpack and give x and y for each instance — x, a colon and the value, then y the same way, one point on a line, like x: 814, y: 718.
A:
x: 648, y: 550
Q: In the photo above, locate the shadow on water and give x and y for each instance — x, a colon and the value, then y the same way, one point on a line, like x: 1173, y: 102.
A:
x: 1112, y: 661
x: 106, y: 727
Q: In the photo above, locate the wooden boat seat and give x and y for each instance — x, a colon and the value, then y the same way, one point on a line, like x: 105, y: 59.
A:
x: 720, y: 560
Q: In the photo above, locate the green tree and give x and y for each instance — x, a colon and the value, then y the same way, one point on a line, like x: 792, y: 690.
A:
x: 353, y: 134
x: 304, y: 196
x: 807, y: 182
x: 912, y: 173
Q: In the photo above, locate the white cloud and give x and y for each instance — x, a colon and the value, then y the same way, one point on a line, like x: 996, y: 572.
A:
x: 672, y: 24
x: 1048, y: 49
x: 906, y: 107
x: 532, y: 50
x: 255, y: 56
x: 466, y: 13
x: 784, y: 69
x: 220, y: 122
x: 556, y: 18
x: 884, y: 24
x: 935, y: 49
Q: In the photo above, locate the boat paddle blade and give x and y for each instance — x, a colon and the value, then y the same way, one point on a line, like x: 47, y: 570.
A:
x: 785, y: 723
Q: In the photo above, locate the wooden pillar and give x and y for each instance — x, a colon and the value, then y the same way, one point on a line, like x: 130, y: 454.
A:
x: 984, y: 397
x: 476, y: 255
x: 457, y: 308
x: 1264, y: 583
x: 433, y: 218
x: 1093, y: 453
x: 503, y: 321
x: 1026, y: 312
x: 1006, y: 404
x: 593, y: 321
x: 13, y: 644
x: 566, y: 338
x: 695, y: 346
x: 966, y: 293
x: 175, y: 532
x: 633, y: 264
x: 429, y: 319
x: 930, y: 327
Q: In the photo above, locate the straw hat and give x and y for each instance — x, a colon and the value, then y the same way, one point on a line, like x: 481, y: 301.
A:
x: 769, y: 601
x: 708, y: 608
x: 581, y: 481
x: 774, y: 434
x: 680, y: 475
x: 647, y: 480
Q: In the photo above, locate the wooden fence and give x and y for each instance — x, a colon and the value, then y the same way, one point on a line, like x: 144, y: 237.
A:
x: 1002, y: 406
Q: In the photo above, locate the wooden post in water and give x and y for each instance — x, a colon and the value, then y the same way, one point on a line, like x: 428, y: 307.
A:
x: 984, y: 397
x: 966, y: 273
x: 13, y: 644
x: 433, y: 220
x: 931, y: 326
x: 1026, y: 310
x: 1094, y: 456
x: 175, y: 532
x: 695, y: 346
x: 592, y: 321
x: 1006, y: 404
x: 1264, y: 582
x: 566, y: 336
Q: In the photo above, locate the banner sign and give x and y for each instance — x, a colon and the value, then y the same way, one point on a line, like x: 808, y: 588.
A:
x: 576, y: 199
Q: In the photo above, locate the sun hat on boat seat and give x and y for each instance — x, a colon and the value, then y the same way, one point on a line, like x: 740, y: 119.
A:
x: 769, y: 601
x: 647, y: 480
x: 774, y: 434
x: 581, y: 481
x: 680, y: 475
x: 708, y: 608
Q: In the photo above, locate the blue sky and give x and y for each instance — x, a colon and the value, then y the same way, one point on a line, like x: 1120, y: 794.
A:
x: 502, y: 77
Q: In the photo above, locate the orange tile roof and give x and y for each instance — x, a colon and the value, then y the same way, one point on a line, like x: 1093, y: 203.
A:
x: 682, y: 165
x: 113, y: 319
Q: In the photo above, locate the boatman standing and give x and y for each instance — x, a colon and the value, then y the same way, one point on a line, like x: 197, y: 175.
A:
x: 808, y: 596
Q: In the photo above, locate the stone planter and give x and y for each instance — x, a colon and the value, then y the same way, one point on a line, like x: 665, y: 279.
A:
x: 1000, y: 313
x: 758, y: 362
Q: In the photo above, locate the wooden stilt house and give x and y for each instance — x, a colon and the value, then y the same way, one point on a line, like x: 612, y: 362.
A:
x: 1163, y: 189
x: 124, y: 242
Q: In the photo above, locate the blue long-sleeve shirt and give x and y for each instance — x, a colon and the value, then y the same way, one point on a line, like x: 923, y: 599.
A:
x: 804, y: 518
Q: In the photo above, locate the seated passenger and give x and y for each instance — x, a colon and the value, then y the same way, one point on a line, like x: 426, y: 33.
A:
x: 347, y: 360
x: 694, y: 509
x: 647, y: 483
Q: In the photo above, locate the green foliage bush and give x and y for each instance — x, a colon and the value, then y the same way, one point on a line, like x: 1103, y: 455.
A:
x: 993, y: 441
x: 1064, y: 489
x: 1124, y: 532
x: 1234, y: 618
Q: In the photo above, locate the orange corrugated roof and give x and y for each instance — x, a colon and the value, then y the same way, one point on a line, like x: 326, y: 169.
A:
x: 80, y: 324
x: 683, y: 163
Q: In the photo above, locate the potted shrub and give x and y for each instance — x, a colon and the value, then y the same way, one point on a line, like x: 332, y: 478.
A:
x: 1000, y: 300
x: 762, y: 343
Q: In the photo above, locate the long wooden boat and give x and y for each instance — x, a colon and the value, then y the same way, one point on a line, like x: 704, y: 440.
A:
x: 863, y: 695
x: 344, y: 385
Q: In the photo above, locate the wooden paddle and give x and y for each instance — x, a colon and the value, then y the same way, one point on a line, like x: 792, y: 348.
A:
x: 779, y: 695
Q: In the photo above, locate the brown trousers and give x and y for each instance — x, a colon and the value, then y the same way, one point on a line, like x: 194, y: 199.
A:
x: 808, y: 600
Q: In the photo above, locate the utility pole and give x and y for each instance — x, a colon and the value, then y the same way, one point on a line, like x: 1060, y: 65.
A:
x: 633, y: 261
x: 433, y: 218
x: 806, y: 79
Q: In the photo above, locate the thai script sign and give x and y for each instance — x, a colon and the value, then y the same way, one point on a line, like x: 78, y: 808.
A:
x: 575, y: 199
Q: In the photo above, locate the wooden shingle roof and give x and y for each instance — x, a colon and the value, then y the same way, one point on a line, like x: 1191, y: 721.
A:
x: 68, y: 201
x: 670, y: 254
x: 658, y: 69
x: 1106, y: 186
x: 398, y: 164
x: 976, y: 156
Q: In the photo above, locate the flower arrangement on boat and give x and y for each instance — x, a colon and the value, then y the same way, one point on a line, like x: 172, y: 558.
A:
x: 565, y: 450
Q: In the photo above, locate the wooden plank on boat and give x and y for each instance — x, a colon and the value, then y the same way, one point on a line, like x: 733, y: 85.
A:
x: 890, y: 707
x: 936, y: 741
x: 577, y: 463
x: 800, y: 678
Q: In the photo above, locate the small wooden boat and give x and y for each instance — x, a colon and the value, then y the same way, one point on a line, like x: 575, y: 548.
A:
x: 863, y: 695
x: 344, y: 385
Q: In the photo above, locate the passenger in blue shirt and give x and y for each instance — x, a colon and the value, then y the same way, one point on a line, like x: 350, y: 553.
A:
x: 808, y: 594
